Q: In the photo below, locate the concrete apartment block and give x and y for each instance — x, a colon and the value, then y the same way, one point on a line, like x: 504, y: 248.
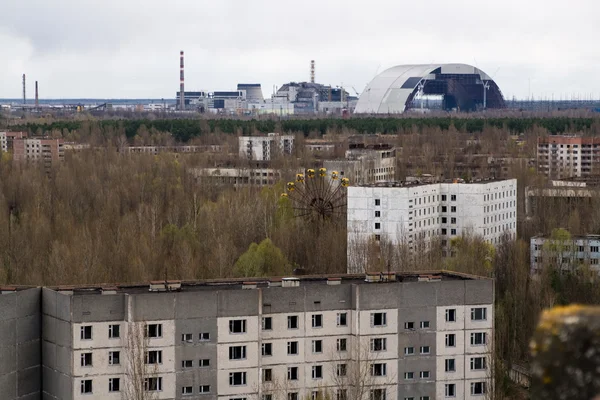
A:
x: 264, y: 148
x: 565, y: 254
x: 240, y: 340
x: 560, y: 157
x: 20, y: 348
x: 413, y: 335
x: 413, y: 213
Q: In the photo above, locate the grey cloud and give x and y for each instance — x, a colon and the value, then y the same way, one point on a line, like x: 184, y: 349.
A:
x: 129, y: 48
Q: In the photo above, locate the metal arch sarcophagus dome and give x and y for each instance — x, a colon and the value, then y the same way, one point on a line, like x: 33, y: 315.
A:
x: 462, y: 85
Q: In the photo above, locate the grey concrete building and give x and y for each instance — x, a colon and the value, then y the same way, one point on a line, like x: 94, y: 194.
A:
x: 403, y: 336
x: 20, y: 348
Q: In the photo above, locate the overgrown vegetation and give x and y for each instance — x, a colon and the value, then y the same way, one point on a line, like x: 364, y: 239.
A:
x: 184, y: 130
x: 105, y: 216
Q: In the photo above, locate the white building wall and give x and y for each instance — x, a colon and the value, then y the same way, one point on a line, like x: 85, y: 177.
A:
x: 260, y: 148
x: 463, y: 351
x: 101, y: 371
x: 421, y: 212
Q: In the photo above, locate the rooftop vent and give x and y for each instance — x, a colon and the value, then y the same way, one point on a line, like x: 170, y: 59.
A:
x: 380, y: 277
x: 7, y: 289
x: 275, y: 282
x: 334, y: 281
x: 430, y: 278
x: 165, y: 286
x: 290, y: 282
x: 372, y: 277
x: 158, y: 286
x: 109, y: 290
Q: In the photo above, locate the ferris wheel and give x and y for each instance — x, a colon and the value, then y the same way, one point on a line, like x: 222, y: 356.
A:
x: 318, y: 195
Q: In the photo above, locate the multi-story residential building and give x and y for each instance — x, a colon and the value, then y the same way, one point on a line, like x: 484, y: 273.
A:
x: 366, y: 164
x: 265, y: 148
x: 155, y: 150
x: 565, y: 254
x: 382, y: 336
x: 7, y: 139
x: 321, y: 147
x: 567, y: 194
x: 237, y: 177
x: 407, y: 213
x: 568, y: 156
x: 48, y: 151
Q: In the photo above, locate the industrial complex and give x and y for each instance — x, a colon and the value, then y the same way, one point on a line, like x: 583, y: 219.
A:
x: 403, y: 88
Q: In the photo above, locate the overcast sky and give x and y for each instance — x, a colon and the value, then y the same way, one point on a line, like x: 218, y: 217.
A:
x: 130, y: 48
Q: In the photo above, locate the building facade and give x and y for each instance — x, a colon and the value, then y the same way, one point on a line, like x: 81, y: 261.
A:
x: 419, y: 212
x: 48, y: 151
x: 365, y: 165
x: 7, y: 139
x: 382, y: 336
x: 265, y: 148
x: 237, y: 177
x: 561, y: 157
x: 566, y: 254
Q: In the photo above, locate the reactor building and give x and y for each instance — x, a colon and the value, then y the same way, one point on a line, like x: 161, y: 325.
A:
x: 457, y: 87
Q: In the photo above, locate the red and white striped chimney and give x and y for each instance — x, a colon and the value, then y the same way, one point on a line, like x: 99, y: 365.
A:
x: 181, y: 83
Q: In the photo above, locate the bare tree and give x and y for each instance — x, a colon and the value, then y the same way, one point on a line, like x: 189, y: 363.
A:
x: 360, y: 370
x: 138, y: 368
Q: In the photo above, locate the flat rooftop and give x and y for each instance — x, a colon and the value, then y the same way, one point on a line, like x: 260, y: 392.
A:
x: 251, y: 283
x: 573, y: 237
x: 430, y: 181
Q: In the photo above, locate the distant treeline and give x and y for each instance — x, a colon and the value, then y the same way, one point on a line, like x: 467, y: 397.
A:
x: 185, y: 129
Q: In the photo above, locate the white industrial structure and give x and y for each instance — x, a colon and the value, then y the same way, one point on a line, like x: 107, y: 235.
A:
x: 462, y: 86
x: 265, y: 148
x: 417, y: 213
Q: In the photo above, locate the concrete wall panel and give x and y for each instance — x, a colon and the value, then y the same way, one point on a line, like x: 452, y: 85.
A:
x: 324, y: 298
x: 8, y: 306
x: 94, y: 308
x: 8, y: 385
x: 29, y: 382
x: 28, y: 328
x: 480, y: 291
x: 196, y: 304
x: 28, y: 302
x: 377, y: 296
x: 451, y: 293
x: 235, y: 303
x: 8, y: 360
x: 29, y: 355
x: 283, y: 300
x: 154, y: 306
x: 8, y: 333
x: 418, y: 294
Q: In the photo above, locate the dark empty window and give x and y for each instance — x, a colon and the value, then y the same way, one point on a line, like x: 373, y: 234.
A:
x: 237, y: 326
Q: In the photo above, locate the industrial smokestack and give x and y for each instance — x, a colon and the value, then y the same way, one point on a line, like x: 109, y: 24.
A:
x: 24, y: 92
x: 37, y: 99
x: 181, y: 83
x: 312, y: 71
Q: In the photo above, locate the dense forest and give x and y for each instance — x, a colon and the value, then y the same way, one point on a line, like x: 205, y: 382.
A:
x: 107, y: 216
x: 183, y: 130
